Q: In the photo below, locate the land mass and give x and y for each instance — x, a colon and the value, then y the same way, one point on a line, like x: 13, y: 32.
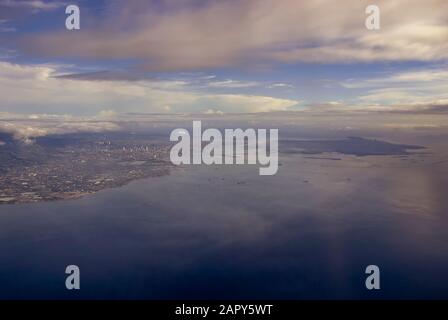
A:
x: 70, y: 166
x: 73, y: 165
x: 352, y: 146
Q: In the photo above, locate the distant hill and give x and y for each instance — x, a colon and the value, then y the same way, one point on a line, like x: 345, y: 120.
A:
x: 352, y: 145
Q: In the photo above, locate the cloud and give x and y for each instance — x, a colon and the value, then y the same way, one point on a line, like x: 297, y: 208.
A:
x: 280, y: 85
x: 7, y: 29
x: 37, y: 89
x: 238, y: 103
x: 191, y: 35
x: 213, y: 112
x: 26, y: 130
x: 103, y: 75
x: 413, y: 87
x: 433, y: 76
x: 4, y: 26
x: 232, y: 84
x: 107, y: 114
x: 6, y: 54
x: 35, y: 5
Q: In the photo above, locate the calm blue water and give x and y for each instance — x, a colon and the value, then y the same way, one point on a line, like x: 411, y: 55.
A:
x: 225, y: 232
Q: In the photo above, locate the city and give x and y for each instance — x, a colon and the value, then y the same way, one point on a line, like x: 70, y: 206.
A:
x: 65, y: 167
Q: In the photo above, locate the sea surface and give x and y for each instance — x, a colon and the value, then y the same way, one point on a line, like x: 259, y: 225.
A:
x: 224, y: 232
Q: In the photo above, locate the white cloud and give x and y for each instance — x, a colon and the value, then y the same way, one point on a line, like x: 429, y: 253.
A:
x: 35, y: 5
x: 25, y: 130
x: 34, y: 89
x: 4, y: 27
x: 214, y: 112
x: 232, y: 84
x: 280, y: 85
x: 410, y: 87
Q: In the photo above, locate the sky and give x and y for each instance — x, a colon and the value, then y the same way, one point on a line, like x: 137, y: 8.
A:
x: 221, y: 56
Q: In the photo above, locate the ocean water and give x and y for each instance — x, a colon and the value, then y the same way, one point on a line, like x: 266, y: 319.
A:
x: 224, y: 232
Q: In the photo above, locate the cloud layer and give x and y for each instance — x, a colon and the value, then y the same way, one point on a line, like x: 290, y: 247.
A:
x: 41, y: 89
x: 191, y: 35
x: 25, y: 130
x: 262, y: 54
